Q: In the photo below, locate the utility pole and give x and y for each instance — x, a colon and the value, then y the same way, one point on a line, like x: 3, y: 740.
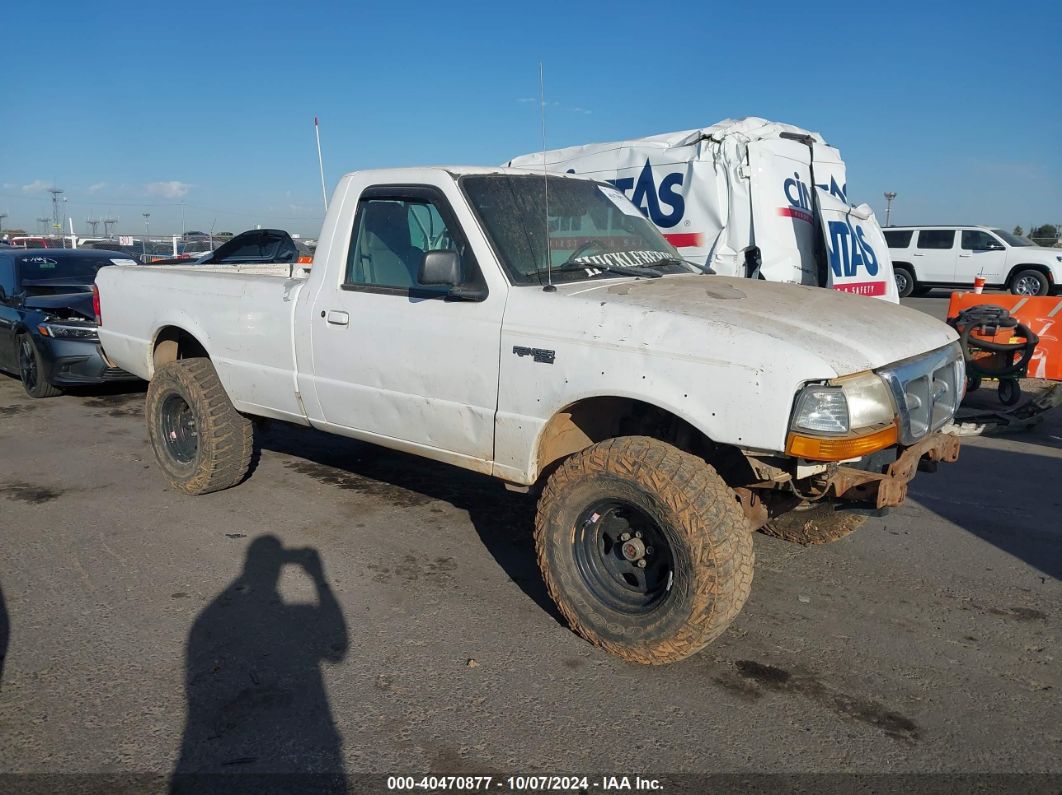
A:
x: 2, y: 217
x: 147, y: 232
x: 889, y: 196
x: 107, y: 224
x: 42, y: 224
x: 93, y: 223
x: 57, y: 226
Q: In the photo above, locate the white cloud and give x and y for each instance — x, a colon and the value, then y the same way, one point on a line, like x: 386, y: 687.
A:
x: 97, y: 187
x: 173, y: 189
x: 36, y: 186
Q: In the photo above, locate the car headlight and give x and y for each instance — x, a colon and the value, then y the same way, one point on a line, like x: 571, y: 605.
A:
x: 68, y: 331
x: 843, y: 405
x: 845, y: 418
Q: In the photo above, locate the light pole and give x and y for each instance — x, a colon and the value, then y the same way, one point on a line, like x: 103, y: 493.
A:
x: 2, y: 217
x: 889, y: 196
x: 147, y: 233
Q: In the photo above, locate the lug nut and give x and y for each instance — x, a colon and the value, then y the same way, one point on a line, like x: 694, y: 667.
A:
x: 641, y: 563
x: 648, y: 550
x: 637, y: 533
x: 625, y: 537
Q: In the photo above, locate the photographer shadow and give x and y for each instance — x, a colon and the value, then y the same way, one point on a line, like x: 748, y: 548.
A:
x: 257, y: 704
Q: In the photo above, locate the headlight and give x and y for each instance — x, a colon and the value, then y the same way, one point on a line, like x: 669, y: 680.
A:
x: 843, y: 405
x: 846, y: 418
x: 823, y: 409
x: 68, y: 331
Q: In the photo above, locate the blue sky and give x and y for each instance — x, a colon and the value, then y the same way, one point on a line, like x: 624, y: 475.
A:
x: 138, y: 107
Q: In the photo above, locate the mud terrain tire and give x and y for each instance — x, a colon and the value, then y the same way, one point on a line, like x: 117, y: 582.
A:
x: 667, y: 499
x: 201, y: 442
x: 818, y: 525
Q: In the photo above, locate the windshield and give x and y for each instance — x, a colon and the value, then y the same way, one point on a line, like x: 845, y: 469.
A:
x: 56, y: 267
x: 594, y: 230
x: 1013, y: 240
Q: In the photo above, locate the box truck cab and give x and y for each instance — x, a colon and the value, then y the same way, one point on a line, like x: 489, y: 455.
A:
x: 745, y: 197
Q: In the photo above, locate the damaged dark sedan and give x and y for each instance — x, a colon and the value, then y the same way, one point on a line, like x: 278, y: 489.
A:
x: 47, y: 319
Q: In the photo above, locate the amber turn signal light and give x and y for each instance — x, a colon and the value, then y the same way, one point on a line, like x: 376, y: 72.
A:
x: 816, y: 448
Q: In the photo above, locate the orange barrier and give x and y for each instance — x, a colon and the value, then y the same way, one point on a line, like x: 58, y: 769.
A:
x: 1043, y: 316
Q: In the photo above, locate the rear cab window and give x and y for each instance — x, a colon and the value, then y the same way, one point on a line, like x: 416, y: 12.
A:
x: 936, y: 238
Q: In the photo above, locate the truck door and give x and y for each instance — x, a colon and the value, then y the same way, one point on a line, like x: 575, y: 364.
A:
x: 783, y: 214
x: 396, y: 359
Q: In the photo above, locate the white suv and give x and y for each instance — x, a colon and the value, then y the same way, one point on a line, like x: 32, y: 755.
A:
x: 924, y: 257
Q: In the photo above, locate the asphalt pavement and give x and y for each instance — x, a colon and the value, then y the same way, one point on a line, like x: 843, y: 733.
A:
x: 351, y: 610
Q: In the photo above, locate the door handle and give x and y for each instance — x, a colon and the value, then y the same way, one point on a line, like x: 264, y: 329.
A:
x: 337, y: 318
x: 966, y: 255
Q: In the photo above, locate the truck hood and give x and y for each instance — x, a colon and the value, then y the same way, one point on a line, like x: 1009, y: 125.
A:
x: 849, y: 333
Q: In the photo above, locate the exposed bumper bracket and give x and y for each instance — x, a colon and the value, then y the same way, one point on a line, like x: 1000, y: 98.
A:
x: 888, y: 489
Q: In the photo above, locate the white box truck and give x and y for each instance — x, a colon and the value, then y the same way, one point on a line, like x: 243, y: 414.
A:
x: 745, y: 197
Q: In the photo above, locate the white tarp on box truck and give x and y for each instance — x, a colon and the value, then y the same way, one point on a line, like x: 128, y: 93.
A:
x: 748, y: 197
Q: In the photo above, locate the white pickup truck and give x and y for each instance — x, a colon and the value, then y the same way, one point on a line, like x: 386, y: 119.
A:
x: 665, y: 413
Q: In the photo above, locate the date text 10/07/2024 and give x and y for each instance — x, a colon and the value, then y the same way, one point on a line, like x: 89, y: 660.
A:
x: 522, y: 784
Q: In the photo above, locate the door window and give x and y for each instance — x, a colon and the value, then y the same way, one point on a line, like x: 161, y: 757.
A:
x: 936, y: 238
x: 898, y: 238
x: 7, y: 276
x: 976, y: 240
x: 390, y: 239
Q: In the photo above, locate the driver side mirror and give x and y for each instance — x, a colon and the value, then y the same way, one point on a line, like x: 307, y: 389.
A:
x: 443, y: 269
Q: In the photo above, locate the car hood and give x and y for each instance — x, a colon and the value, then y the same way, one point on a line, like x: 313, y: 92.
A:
x: 848, y: 333
x: 77, y: 304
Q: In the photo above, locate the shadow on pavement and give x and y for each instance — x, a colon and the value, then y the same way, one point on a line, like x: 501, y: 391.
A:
x: 1011, y: 500
x: 256, y: 697
x: 503, y: 520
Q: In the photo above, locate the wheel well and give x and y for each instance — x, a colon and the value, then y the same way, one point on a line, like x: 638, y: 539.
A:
x: 174, y: 343
x: 1032, y: 266
x: 907, y: 266
x: 597, y: 419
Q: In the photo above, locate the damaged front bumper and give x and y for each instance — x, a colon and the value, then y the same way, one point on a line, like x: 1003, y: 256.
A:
x: 889, y: 488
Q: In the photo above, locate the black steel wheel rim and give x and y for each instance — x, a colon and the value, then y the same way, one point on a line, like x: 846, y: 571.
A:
x: 178, y: 428
x: 623, y: 556
x: 27, y: 364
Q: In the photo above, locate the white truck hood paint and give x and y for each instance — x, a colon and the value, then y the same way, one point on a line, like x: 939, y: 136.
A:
x: 848, y: 333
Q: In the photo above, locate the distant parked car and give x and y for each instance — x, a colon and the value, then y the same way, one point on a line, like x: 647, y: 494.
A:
x: 256, y: 246
x: 924, y: 257
x: 47, y: 319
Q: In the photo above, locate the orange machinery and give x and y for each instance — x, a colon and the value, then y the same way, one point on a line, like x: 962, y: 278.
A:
x: 1008, y: 337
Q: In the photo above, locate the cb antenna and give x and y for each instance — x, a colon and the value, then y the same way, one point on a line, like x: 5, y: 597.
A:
x: 549, y: 288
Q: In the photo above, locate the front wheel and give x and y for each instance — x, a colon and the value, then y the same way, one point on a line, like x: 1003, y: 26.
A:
x: 1029, y: 282
x: 644, y: 549
x: 1008, y: 391
x: 201, y: 442
x: 31, y: 370
x: 814, y: 523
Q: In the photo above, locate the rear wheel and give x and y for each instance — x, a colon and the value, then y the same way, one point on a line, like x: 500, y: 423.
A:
x: 905, y: 280
x: 201, y: 442
x: 644, y: 549
x: 31, y: 370
x: 814, y: 523
x: 1029, y: 282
